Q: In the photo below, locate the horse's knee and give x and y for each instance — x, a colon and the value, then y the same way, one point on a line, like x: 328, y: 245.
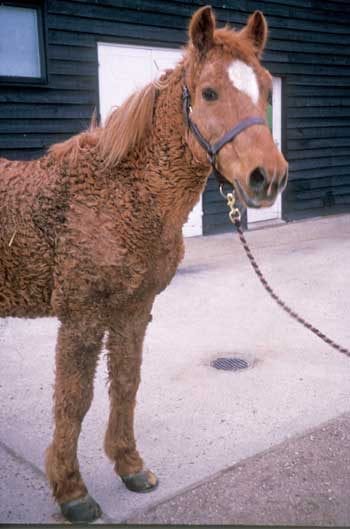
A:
x: 72, y: 399
x: 76, y: 358
x: 124, y: 395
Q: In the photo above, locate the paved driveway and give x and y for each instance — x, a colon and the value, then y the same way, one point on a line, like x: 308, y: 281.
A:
x: 192, y: 420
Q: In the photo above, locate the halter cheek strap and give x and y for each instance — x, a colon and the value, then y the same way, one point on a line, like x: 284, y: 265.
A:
x: 212, y: 150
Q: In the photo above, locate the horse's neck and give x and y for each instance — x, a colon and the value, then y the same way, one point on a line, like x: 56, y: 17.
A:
x: 179, y: 178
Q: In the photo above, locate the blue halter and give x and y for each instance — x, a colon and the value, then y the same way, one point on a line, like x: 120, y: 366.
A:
x: 212, y: 150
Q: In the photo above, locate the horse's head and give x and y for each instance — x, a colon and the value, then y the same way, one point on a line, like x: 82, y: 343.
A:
x: 227, y: 84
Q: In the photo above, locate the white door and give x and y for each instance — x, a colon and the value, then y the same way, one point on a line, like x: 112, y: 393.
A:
x: 124, y: 69
x: 275, y: 211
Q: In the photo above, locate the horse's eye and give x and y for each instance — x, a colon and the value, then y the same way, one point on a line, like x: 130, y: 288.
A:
x: 209, y: 94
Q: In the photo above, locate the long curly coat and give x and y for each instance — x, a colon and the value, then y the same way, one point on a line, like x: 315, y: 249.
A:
x: 91, y: 232
x: 87, y: 238
x: 93, y: 245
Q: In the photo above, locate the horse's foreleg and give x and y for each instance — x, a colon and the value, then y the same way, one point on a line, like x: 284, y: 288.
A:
x: 78, y: 347
x: 124, y: 363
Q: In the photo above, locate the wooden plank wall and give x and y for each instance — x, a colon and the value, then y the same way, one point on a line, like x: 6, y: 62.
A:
x: 309, y: 47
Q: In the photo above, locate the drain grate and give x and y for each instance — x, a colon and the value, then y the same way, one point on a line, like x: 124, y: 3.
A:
x: 229, y: 364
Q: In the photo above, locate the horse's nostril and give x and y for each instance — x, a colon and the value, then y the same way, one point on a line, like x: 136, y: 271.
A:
x: 257, y: 180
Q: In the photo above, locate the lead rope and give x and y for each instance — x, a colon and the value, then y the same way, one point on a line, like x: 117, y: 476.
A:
x: 235, y: 218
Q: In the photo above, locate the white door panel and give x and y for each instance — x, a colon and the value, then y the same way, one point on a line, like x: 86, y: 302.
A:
x: 164, y: 59
x: 121, y: 72
x: 124, y: 69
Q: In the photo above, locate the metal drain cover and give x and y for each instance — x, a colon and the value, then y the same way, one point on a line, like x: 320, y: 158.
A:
x: 229, y: 364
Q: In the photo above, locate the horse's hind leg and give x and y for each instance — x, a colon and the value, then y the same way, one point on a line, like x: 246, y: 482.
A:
x: 78, y: 347
x: 124, y: 362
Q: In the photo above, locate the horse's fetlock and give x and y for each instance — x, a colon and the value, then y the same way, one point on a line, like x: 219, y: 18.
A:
x: 65, y: 480
x: 129, y: 466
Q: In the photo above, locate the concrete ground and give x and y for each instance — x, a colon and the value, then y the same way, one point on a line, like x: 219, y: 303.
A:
x: 268, y: 444
x: 303, y: 481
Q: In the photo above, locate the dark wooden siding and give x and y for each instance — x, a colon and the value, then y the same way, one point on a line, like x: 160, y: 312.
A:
x: 309, y: 47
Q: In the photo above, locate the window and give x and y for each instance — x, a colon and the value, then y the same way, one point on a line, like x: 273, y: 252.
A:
x: 22, y: 57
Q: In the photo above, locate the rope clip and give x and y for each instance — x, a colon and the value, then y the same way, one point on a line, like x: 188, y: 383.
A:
x: 234, y: 213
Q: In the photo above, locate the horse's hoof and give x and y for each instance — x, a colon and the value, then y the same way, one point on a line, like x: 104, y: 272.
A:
x: 144, y: 481
x: 81, y: 510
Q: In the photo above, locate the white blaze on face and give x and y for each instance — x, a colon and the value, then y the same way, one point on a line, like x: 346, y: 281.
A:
x: 243, y: 78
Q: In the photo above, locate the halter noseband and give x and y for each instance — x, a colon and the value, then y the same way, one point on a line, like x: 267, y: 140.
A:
x: 212, y: 150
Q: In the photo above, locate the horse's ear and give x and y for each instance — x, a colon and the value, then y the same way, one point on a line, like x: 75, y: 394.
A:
x: 256, y: 31
x: 202, y: 28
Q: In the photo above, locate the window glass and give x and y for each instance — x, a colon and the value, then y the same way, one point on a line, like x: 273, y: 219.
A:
x: 19, y: 42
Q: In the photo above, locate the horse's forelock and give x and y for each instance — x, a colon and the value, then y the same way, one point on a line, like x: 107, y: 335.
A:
x: 234, y: 42
x: 227, y: 41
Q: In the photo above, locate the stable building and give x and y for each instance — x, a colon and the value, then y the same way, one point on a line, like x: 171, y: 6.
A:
x: 61, y: 60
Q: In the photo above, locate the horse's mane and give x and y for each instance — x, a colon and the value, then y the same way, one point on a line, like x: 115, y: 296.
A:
x: 70, y: 149
x: 127, y: 125
x: 125, y: 128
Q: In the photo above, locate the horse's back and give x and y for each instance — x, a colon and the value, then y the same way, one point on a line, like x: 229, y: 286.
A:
x: 26, y: 258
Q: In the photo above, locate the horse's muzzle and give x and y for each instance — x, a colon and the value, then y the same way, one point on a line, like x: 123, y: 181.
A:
x: 264, y: 187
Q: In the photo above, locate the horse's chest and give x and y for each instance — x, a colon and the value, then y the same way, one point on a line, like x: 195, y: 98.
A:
x: 166, y: 266
x: 152, y: 262
x: 154, y: 271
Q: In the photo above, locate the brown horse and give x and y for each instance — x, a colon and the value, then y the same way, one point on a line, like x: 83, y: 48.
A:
x: 91, y: 232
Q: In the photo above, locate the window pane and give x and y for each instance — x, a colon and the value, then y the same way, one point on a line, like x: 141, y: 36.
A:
x: 19, y: 42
